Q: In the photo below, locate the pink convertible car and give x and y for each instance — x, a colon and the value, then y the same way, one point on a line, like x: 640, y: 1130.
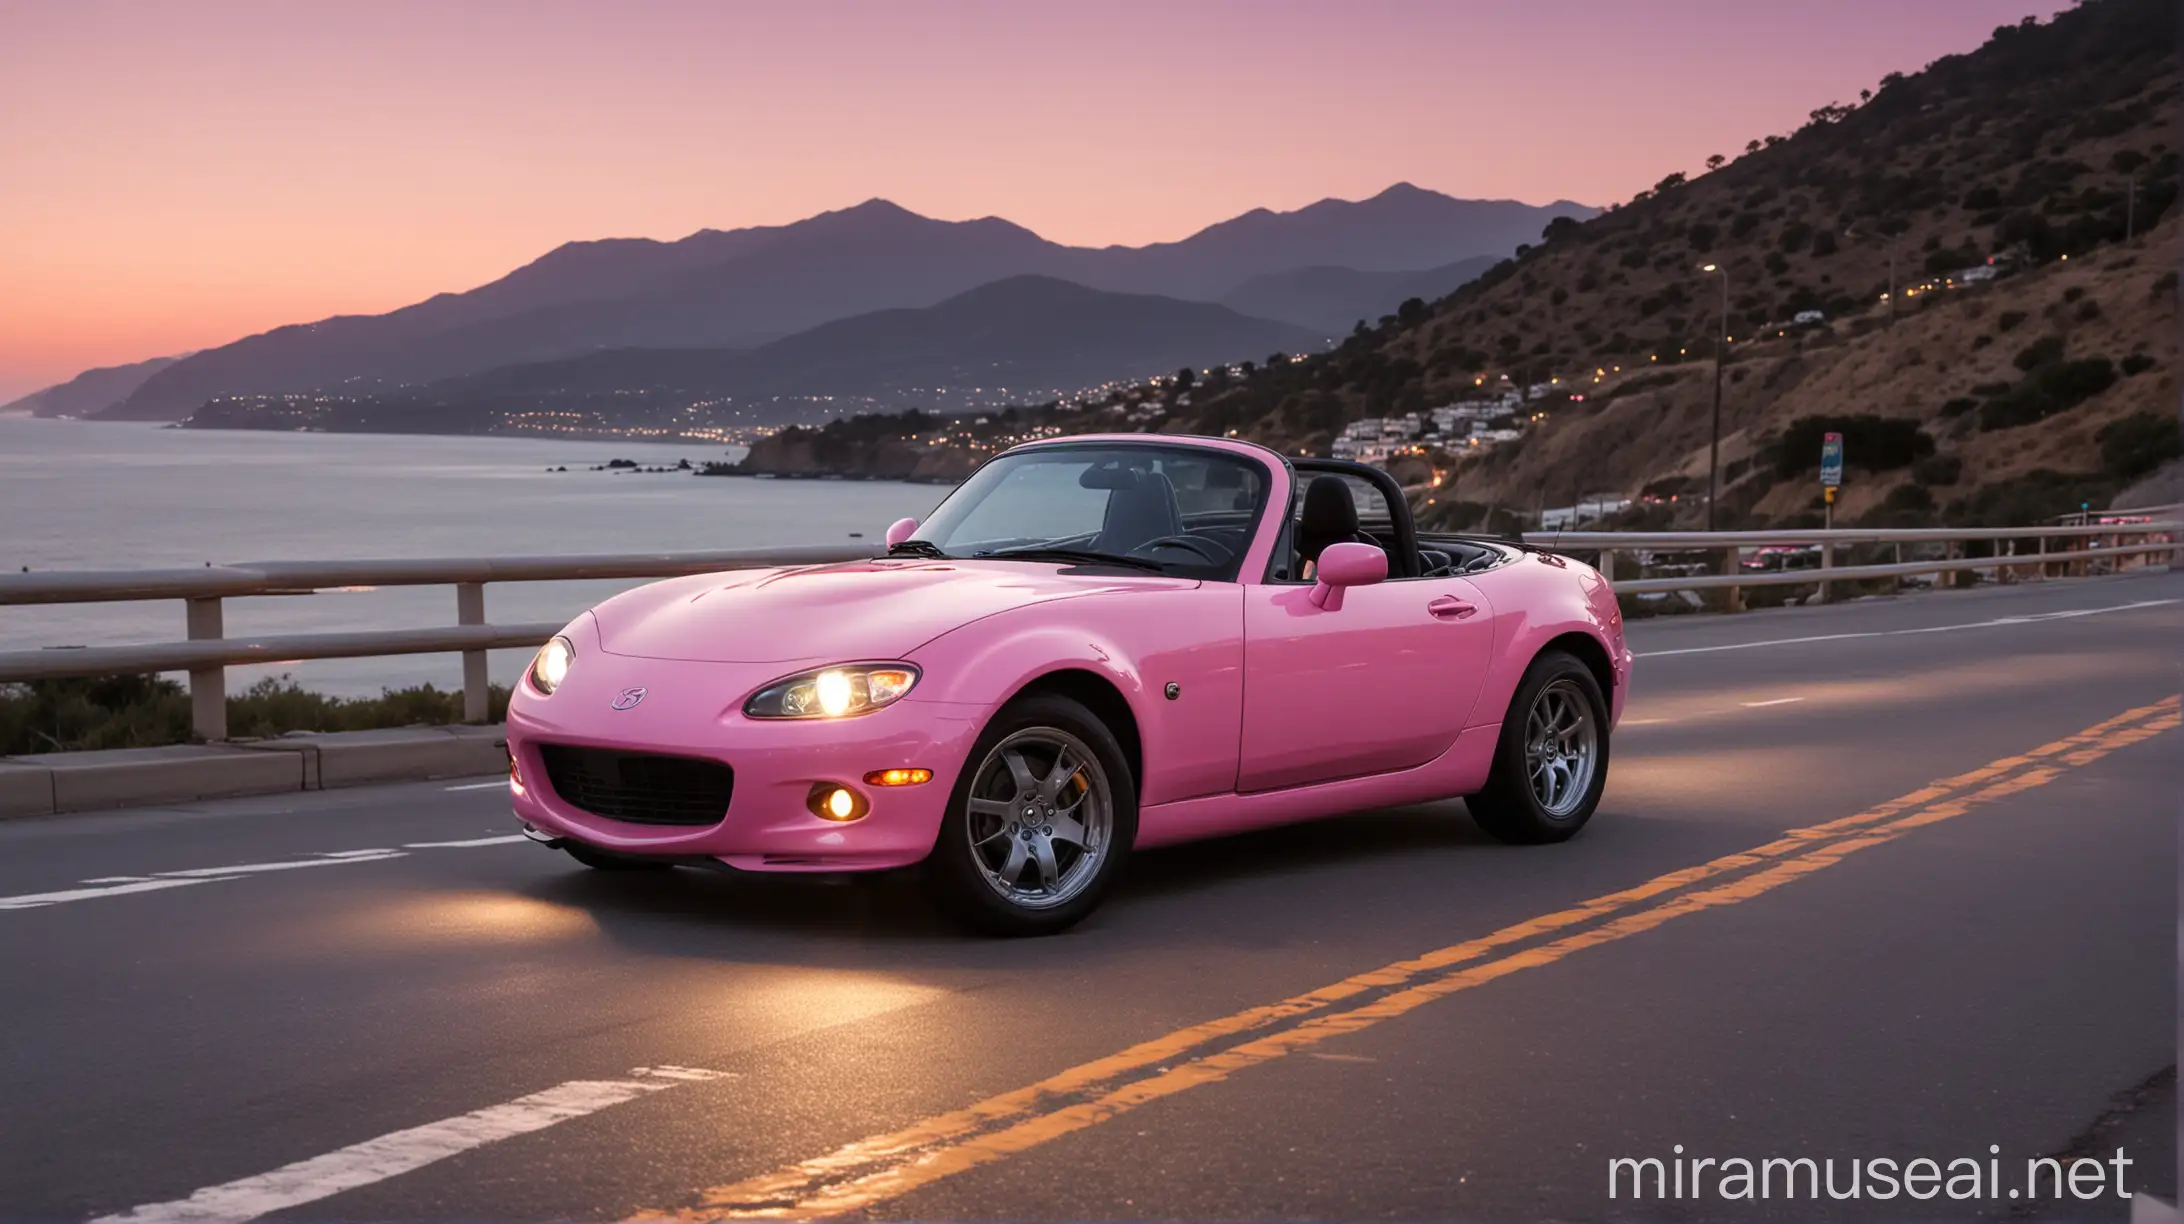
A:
x: 1093, y: 645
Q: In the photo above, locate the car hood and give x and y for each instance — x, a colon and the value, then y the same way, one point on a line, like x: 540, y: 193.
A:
x: 881, y: 609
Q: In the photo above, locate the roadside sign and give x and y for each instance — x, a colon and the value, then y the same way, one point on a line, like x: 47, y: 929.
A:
x: 1831, y: 460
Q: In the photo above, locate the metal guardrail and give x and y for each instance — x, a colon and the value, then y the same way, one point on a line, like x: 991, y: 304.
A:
x: 208, y: 651
x: 2084, y: 545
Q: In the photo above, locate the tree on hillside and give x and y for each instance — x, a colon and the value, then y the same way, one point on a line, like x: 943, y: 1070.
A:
x: 1185, y: 378
x: 1412, y: 312
x: 1715, y: 162
x: 1558, y: 229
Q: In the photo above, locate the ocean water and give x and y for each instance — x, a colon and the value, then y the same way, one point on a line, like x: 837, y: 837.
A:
x: 78, y: 495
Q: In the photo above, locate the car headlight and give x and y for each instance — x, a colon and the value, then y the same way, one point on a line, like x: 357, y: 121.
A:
x: 833, y: 692
x: 551, y: 666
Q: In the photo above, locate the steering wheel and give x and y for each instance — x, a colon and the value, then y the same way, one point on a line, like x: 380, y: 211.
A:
x: 1210, y: 552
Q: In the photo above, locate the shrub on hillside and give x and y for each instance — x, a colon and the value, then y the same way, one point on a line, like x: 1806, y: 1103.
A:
x: 2038, y: 353
x: 2052, y: 388
x: 2029, y: 500
x: 1938, y: 470
x: 1871, y: 443
x: 1908, y: 499
x: 2137, y: 444
x: 2137, y: 364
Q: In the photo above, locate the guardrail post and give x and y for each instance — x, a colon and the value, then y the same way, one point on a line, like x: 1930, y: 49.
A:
x: 208, y: 685
x: 1898, y: 579
x: 1731, y: 559
x: 2043, y: 558
x: 1827, y: 562
x: 477, y: 693
x: 1607, y: 564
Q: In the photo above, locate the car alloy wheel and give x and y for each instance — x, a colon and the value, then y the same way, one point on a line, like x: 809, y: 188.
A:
x: 1561, y: 748
x: 1040, y: 818
x: 1550, y: 756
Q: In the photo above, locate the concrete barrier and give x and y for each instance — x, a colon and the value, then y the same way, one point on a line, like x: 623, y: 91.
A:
x: 25, y: 790
x: 405, y: 754
x: 59, y: 782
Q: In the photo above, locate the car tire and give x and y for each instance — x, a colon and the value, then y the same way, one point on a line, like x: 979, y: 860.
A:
x: 607, y: 860
x: 1014, y: 859
x: 1551, y: 761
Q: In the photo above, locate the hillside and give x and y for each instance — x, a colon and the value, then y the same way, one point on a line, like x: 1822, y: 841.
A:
x: 90, y: 391
x: 2022, y: 150
x: 739, y: 288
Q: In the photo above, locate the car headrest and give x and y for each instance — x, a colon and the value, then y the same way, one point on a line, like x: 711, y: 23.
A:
x: 1329, y: 516
x: 1138, y: 514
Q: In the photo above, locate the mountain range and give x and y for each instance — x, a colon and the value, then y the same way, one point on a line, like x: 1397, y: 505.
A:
x: 90, y: 391
x: 744, y: 288
x: 1027, y: 333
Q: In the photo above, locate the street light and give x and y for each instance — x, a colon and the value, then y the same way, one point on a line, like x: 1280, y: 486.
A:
x: 1721, y: 346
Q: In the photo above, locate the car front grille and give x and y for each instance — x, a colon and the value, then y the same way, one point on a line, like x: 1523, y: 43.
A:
x: 639, y: 787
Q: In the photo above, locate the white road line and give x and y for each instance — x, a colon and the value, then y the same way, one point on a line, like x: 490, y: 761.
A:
x: 509, y: 840
x: 500, y: 782
x: 253, y: 868
x: 2034, y: 618
x: 403, y: 1151
x: 123, y: 885
x: 34, y: 900
x: 1761, y: 705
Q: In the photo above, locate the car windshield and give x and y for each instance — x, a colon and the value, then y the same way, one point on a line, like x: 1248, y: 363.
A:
x: 1181, y: 510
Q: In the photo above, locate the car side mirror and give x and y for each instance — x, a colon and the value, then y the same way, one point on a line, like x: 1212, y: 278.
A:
x: 900, y: 530
x: 1346, y: 565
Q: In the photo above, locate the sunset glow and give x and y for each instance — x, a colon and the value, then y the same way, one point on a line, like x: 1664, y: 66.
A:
x: 183, y: 175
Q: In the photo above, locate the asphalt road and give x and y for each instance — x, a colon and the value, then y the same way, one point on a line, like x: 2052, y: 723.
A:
x: 336, y: 1018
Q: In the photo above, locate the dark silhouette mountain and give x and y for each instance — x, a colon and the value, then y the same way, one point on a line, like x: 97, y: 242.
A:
x: 90, y: 391
x: 1034, y: 333
x: 742, y: 287
x: 1402, y: 229
x: 1332, y: 299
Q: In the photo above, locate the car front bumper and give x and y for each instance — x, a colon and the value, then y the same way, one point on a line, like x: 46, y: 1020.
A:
x: 692, y: 709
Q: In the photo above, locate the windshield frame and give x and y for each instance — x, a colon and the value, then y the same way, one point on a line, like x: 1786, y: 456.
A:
x: 1191, y: 447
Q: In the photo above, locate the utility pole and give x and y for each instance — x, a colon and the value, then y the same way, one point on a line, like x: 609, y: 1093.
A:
x: 1721, y: 351
x: 1892, y: 280
x: 1851, y: 233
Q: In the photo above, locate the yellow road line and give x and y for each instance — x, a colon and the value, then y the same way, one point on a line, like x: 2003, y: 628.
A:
x: 951, y: 1143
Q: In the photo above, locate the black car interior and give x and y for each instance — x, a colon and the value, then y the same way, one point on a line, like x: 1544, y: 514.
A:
x: 1207, y: 526
x: 1328, y: 513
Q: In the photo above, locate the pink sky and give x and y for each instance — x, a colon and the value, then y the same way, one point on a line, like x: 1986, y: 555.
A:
x: 180, y: 175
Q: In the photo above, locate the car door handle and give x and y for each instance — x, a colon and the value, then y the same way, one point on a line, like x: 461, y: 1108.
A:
x: 1448, y: 607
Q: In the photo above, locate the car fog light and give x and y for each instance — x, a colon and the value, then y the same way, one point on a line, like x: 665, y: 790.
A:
x: 831, y: 801
x: 898, y: 777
